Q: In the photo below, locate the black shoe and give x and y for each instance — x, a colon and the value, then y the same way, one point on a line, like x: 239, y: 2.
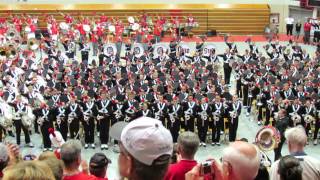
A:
x: 10, y: 133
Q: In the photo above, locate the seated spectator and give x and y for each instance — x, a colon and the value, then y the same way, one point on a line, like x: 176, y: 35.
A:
x: 188, y: 143
x: 98, y: 166
x: 54, y: 164
x: 145, y: 148
x: 28, y: 170
x: 289, y: 168
x: 297, y: 139
x: 240, y: 161
x: 71, y: 157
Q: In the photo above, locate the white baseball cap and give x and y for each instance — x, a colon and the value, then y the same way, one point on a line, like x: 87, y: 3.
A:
x: 145, y: 138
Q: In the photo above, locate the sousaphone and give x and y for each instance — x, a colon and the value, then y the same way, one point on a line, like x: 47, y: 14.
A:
x: 267, y: 138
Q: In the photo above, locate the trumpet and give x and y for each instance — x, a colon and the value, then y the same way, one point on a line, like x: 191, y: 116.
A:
x: 296, y: 118
x: 267, y: 138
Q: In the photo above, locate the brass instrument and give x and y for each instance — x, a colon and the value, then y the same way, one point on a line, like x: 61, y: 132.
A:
x: 267, y: 138
x: 33, y: 44
x: 309, y: 119
x: 296, y: 118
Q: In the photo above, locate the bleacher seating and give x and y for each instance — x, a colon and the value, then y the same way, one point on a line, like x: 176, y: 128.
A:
x: 225, y: 18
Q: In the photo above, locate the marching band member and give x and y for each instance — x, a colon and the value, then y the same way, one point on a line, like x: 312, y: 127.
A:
x: 309, y: 113
x: 130, y: 107
x: 89, y: 114
x: 226, y: 65
x: 20, y: 109
x: 160, y: 109
x: 203, y: 115
x: 61, y: 119
x: 317, y: 123
x: 74, y: 115
x: 84, y: 48
x: 234, y: 113
x: 189, y: 108
x: 175, y: 112
x: 144, y: 110
x: 105, y: 114
x: 45, y: 120
x: 217, y: 120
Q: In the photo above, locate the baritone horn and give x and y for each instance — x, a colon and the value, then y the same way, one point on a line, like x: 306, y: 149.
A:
x: 267, y: 138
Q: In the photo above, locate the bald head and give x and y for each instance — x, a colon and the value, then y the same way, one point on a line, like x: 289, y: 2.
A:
x: 242, y: 160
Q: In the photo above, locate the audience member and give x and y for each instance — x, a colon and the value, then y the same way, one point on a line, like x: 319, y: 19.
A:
x: 289, y: 168
x: 71, y: 157
x: 54, y: 164
x: 4, y: 158
x: 240, y: 161
x: 28, y: 170
x: 145, y: 148
x: 263, y: 173
x: 98, y: 166
x: 297, y: 139
x: 188, y: 143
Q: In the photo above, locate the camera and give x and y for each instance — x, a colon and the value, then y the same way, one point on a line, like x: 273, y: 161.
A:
x: 206, y: 167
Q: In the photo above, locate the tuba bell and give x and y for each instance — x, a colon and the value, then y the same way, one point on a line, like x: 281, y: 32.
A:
x: 12, y: 34
x: 267, y: 138
x: 296, y: 118
x: 309, y: 119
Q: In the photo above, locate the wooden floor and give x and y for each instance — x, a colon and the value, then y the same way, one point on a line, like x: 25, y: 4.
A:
x: 233, y: 19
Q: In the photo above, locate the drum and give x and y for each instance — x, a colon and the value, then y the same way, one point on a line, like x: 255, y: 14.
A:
x: 27, y: 29
x: 135, y: 26
x: 112, y: 28
x: 110, y: 49
x: 138, y: 50
x: 131, y: 19
x: 185, y: 48
x: 160, y: 49
x: 207, y: 49
x: 86, y: 28
x: 64, y: 26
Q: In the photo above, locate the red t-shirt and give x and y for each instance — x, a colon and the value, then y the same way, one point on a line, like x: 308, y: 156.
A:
x: 307, y: 26
x: 177, y: 171
x: 80, y: 176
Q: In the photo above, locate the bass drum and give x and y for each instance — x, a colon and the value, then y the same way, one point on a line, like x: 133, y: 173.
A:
x: 110, y: 49
x: 185, y: 48
x: 207, y: 49
x: 160, y: 49
x: 138, y: 50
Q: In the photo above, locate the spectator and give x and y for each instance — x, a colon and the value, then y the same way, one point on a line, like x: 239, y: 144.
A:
x: 54, y: 164
x: 290, y: 168
x: 263, y: 173
x: 98, y: 165
x: 298, y: 29
x: 4, y: 158
x: 174, y: 156
x: 240, y: 161
x: 307, y: 29
x: 145, y: 148
x: 188, y: 143
x: 297, y: 139
x: 71, y: 157
x: 28, y: 170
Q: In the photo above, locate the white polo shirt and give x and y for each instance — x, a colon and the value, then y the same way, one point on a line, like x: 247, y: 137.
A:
x: 289, y: 20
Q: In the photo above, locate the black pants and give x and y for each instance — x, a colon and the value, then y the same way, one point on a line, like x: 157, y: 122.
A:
x: 18, y: 125
x: 216, y: 128
x: 189, y: 124
x: 74, y: 128
x: 245, y: 95
x: 277, y: 151
x: 88, y: 131
x: 70, y: 55
x: 316, y: 130
x: 104, y: 130
x: 174, y: 128
x: 63, y: 129
x: 45, y: 133
x: 306, y: 38
x: 238, y: 89
x: 1, y: 133
x: 202, y: 126
x: 233, y: 127
x: 113, y: 121
x: 36, y: 127
x: 227, y: 72
x: 289, y: 29
x: 85, y: 56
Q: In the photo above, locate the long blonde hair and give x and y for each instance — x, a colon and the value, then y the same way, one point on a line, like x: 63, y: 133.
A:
x: 28, y: 170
